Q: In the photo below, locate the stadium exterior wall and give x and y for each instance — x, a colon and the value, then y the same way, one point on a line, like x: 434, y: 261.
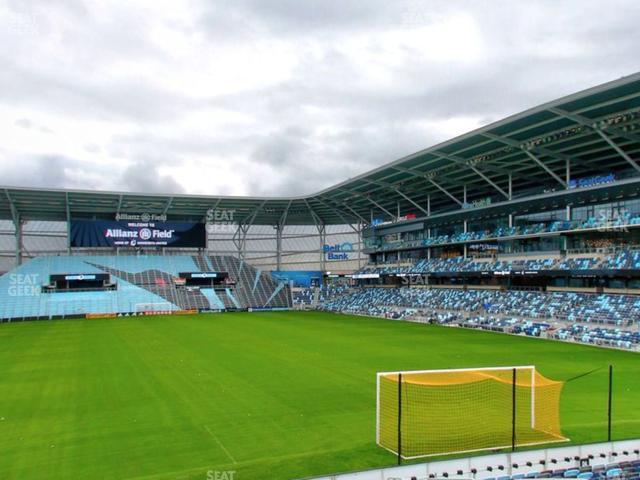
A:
x: 338, y: 248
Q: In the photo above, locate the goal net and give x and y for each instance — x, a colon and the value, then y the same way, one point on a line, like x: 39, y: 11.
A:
x: 438, y: 412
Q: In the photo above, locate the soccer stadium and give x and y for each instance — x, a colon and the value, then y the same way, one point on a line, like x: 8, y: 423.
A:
x: 470, y: 311
x: 479, y: 298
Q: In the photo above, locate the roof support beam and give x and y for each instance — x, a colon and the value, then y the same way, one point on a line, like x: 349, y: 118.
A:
x: 513, y: 143
x: 431, y: 174
x: 331, y: 204
x: 15, y: 215
x: 120, y: 197
x: 467, y: 163
x: 17, y: 222
x: 593, y: 124
x: 397, y: 190
x: 66, y: 206
x: 354, y: 212
x: 410, y: 171
x: 68, y: 212
x: 546, y: 169
x: 337, y: 212
x: 445, y: 191
x: 279, y: 227
x: 283, y: 218
x: 322, y: 236
x: 545, y: 151
x: 167, y: 206
x: 243, y: 230
x: 462, y: 163
x: 368, y: 198
x: 380, y: 207
x: 315, y: 216
x: 621, y: 152
x: 412, y: 202
x: 510, y: 186
x: 208, y: 216
x: 252, y: 216
x: 240, y: 240
x: 490, y: 182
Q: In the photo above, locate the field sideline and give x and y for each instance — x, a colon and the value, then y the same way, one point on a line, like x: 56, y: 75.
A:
x: 273, y: 395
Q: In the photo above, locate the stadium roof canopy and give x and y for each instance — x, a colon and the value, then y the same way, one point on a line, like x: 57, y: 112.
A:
x: 590, y: 133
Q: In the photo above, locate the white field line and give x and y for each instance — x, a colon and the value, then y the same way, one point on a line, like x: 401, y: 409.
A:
x: 220, y: 443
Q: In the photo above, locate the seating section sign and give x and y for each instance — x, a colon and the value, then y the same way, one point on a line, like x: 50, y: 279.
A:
x: 118, y: 233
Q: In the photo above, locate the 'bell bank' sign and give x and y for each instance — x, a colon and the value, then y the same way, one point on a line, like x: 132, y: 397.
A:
x: 339, y: 251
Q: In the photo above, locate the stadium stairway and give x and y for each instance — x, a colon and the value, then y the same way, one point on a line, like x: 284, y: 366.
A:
x: 214, y: 301
x: 232, y: 298
x: 202, y: 264
x: 254, y: 288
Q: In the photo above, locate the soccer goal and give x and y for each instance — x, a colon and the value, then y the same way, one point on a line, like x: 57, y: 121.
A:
x: 439, y: 412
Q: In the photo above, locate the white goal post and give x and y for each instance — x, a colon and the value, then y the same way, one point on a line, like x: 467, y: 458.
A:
x: 439, y: 412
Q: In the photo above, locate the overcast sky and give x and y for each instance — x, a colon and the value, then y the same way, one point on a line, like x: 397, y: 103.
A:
x: 278, y: 97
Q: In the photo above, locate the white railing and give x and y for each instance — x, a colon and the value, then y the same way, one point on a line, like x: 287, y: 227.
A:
x: 506, y: 464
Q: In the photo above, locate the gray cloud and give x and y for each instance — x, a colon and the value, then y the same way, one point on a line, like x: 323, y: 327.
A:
x: 145, y: 177
x: 46, y: 171
x: 30, y: 125
x: 293, y: 18
x: 283, y: 96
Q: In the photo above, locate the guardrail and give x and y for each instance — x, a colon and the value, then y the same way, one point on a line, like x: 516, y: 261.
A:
x: 506, y: 464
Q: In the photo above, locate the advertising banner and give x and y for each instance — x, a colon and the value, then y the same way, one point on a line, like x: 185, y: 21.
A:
x: 118, y: 233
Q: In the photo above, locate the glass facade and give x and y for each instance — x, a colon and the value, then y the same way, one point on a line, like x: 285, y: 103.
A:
x: 582, y: 227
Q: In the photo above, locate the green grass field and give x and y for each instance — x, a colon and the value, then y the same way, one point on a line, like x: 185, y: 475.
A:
x: 269, y: 395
